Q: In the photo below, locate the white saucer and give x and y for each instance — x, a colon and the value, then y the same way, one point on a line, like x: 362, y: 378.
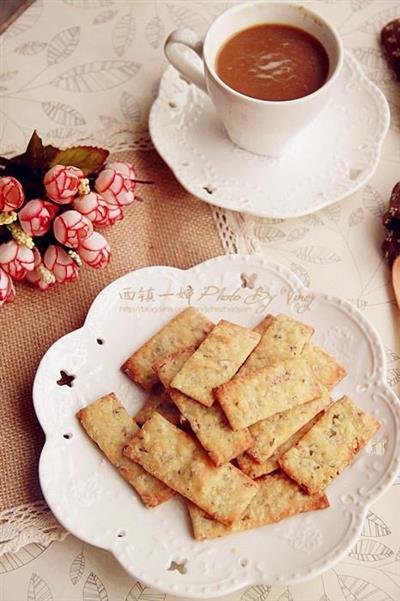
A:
x: 331, y: 159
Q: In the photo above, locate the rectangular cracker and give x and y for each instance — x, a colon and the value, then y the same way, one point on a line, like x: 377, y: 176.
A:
x: 264, y: 324
x: 283, y: 339
x: 209, y: 424
x: 178, y: 460
x: 188, y: 328
x: 269, y: 434
x: 108, y: 424
x: 278, y: 498
x: 249, y: 399
x: 159, y: 401
x: 254, y: 469
x: 326, y: 369
x: 329, y: 446
x: 216, y: 360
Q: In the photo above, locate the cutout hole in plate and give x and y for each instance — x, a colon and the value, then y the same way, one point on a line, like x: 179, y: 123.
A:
x: 209, y: 189
x: 243, y: 562
x: 248, y: 281
x: 121, y: 533
x: 68, y: 435
x: 178, y: 566
x: 100, y: 341
x: 172, y: 104
x: 66, y: 379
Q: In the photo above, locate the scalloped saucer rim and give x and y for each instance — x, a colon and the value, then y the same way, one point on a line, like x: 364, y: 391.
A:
x: 171, y: 82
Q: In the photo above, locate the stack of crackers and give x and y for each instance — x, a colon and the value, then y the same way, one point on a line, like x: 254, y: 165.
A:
x: 239, y: 422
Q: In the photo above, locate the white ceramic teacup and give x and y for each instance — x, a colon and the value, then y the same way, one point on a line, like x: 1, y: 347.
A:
x: 260, y: 126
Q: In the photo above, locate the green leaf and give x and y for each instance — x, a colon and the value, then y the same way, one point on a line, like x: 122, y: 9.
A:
x: 88, y: 158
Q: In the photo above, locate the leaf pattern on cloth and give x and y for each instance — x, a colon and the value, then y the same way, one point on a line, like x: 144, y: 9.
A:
x: 370, y: 550
x: 391, y: 356
x: 374, y: 526
x: 297, y: 234
x: 316, y: 254
x: 356, y: 217
x: 357, y: 589
x: 30, y: 48
x: 77, y: 568
x: 62, y: 113
x: 62, y: 45
x: 94, y: 589
x: 143, y: 593
x: 130, y: 107
x: 155, y: 32
x: 256, y: 593
x: 38, y: 590
x: 13, y: 561
x: 393, y: 376
x: 123, y: 33
x: 96, y: 76
x: 268, y: 234
x: 373, y: 201
x: 359, y: 4
x: 182, y: 16
x: 370, y: 57
x: 90, y: 4
x: 104, y: 16
x: 375, y: 22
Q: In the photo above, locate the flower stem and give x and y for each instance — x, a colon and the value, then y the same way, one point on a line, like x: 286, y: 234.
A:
x: 142, y: 181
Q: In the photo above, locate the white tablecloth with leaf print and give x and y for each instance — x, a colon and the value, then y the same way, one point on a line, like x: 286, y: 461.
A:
x: 87, y: 70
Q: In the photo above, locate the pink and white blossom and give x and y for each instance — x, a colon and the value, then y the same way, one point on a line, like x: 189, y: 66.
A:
x: 62, y: 183
x: 35, y: 217
x: 115, y: 213
x: 94, y: 207
x: 95, y: 251
x: 125, y: 169
x: 60, y: 264
x: 71, y: 227
x: 16, y: 260
x: 7, y: 291
x: 11, y: 194
x: 115, y: 187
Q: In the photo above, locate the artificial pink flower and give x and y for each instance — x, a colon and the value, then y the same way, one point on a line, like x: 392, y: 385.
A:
x: 62, y: 183
x: 115, y: 213
x: 11, y: 194
x: 7, y: 291
x: 16, y: 260
x: 125, y: 169
x: 95, y: 251
x: 35, y: 277
x: 60, y: 264
x: 94, y: 207
x: 52, y: 208
x: 35, y: 217
x: 71, y: 227
x: 115, y: 187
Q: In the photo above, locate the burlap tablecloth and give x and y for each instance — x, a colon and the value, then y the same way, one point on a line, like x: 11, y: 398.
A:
x: 169, y: 228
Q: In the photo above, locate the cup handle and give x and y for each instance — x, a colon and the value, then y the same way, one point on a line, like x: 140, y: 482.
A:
x: 173, y: 51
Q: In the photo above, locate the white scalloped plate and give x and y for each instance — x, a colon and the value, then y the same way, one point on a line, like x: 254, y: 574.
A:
x: 328, y: 161
x: 91, y: 500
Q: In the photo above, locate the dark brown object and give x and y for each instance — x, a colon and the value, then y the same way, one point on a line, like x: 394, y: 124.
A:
x: 11, y: 10
x: 391, y: 221
x: 170, y: 228
x: 273, y: 62
x: 390, y: 40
